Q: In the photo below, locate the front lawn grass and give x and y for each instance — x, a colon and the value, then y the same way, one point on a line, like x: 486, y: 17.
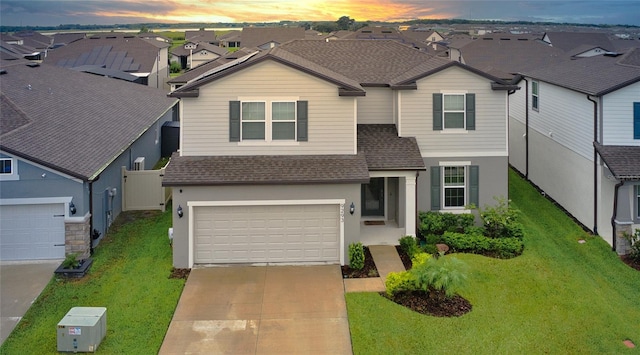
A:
x: 129, y: 276
x: 558, y: 297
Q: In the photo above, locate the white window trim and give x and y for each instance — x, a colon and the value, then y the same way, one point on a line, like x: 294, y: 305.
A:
x: 446, y: 130
x: 13, y: 175
x: 537, y: 95
x: 268, y: 122
x: 462, y: 208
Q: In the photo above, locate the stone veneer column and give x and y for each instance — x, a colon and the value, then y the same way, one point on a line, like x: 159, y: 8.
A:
x: 622, y: 244
x: 77, y: 237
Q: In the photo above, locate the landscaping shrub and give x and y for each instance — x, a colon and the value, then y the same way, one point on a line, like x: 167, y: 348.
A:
x: 399, y: 281
x: 479, y: 244
x: 409, y: 245
x: 356, y: 256
x: 420, y: 258
x: 634, y: 240
x: 501, y: 221
x: 175, y: 67
x: 442, y: 276
x: 437, y: 223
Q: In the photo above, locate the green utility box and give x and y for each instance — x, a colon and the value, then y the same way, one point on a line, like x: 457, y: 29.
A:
x: 82, y: 329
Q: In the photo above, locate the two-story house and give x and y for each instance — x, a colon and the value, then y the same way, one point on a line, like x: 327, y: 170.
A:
x: 291, y: 154
x: 575, y: 133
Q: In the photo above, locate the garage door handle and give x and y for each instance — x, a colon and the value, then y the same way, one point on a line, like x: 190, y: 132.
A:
x: 58, y: 245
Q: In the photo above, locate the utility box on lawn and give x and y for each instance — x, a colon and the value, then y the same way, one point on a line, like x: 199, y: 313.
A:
x: 82, y: 329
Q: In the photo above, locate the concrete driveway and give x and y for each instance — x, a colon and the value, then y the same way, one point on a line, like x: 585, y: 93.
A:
x: 20, y: 285
x: 261, y: 310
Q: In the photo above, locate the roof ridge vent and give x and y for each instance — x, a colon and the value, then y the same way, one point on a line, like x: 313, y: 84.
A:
x: 487, y: 38
x: 3, y: 71
x: 505, y: 39
x: 33, y: 65
x: 523, y: 39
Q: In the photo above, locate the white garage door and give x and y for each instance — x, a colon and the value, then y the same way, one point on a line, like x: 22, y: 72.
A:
x: 29, y: 232
x: 291, y: 233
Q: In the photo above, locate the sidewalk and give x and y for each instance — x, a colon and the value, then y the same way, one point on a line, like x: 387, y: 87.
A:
x: 387, y: 260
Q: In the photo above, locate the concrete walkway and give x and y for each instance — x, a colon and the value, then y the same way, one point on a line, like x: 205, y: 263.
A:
x: 20, y: 284
x: 261, y: 310
x: 387, y: 260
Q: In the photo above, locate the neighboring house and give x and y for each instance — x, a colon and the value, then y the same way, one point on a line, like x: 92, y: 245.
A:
x: 230, y: 39
x: 269, y: 37
x: 144, y: 58
x: 192, y: 54
x: 575, y: 133
x: 64, y: 38
x: 13, y: 48
x: 580, y: 44
x: 64, y: 136
x: 201, y: 35
x: 288, y: 155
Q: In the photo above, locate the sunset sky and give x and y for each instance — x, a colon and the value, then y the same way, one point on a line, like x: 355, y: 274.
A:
x: 56, y: 12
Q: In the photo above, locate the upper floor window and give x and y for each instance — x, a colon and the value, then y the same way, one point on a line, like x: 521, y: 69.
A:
x: 535, y: 99
x: 267, y: 121
x: 6, y: 166
x: 454, y: 111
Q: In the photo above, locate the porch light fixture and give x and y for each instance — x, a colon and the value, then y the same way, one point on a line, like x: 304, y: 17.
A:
x: 180, y: 212
x: 72, y: 208
x: 352, y: 208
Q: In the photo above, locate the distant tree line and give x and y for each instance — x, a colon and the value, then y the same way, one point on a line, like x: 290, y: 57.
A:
x: 343, y: 23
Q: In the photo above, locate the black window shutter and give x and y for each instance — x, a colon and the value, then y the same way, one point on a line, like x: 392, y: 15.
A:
x: 437, y: 112
x: 435, y: 188
x: 302, y: 125
x: 474, y: 185
x: 234, y: 121
x: 471, y: 112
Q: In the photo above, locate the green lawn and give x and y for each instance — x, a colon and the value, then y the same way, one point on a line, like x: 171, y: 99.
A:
x: 559, y: 297
x: 129, y: 276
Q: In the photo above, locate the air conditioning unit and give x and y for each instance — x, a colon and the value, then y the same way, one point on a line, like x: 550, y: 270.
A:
x: 82, y: 329
x: 138, y: 164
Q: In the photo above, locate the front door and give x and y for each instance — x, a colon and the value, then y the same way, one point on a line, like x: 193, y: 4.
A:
x: 373, y: 198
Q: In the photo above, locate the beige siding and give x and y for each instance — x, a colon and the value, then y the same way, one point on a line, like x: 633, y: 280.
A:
x: 205, y: 126
x: 488, y: 139
x: 376, y: 107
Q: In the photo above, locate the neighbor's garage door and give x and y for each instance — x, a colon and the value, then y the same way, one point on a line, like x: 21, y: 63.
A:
x: 30, y: 232
x: 291, y: 233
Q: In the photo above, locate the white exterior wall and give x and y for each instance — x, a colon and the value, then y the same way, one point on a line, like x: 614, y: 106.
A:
x: 565, y: 116
x: 517, y: 128
x: 416, y: 116
x: 376, y: 107
x: 618, y: 116
x: 562, y: 174
x: 205, y: 119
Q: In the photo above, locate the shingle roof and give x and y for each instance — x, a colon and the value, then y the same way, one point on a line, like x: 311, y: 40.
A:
x: 120, y: 52
x: 74, y: 122
x: 568, y: 41
x: 367, y: 62
x: 596, y: 76
x: 200, y: 36
x: 505, y: 55
x: 265, y: 169
x: 623, y: 161
x: 384, y: 150
x: 205, y: 67
x: 257, y: 36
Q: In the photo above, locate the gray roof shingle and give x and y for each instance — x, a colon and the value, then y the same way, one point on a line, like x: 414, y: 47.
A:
x: 257, y: 36
x: 265, y: 170
x: 596, y: 76
x: 623, y: 161
x: 384, y: 150
x: 74, y: 122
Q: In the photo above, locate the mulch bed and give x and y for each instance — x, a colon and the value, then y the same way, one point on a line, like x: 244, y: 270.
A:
x: 369, y: 269
x: 632, y: 263
x: 419, y: 301
x: 406, y: 260
x: 179, y: 273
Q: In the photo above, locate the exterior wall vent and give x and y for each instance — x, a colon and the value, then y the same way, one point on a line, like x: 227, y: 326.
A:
x: 138, y: 164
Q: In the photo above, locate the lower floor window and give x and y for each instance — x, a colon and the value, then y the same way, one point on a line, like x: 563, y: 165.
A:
x: 454, y: 186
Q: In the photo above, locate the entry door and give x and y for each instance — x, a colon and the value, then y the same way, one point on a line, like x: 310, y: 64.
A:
x: 373, y: 197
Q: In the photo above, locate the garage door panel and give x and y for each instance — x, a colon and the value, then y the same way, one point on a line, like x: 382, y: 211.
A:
x: 282, y: 233
x: 29, y: 232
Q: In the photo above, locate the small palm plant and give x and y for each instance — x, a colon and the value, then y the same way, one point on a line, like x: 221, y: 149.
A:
x: 441, y: 277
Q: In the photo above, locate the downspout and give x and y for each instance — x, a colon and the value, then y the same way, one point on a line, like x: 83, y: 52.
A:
x: 595, y: 165
x: 526, y: 129
x: 615, y: 213
x: 416, y: 203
